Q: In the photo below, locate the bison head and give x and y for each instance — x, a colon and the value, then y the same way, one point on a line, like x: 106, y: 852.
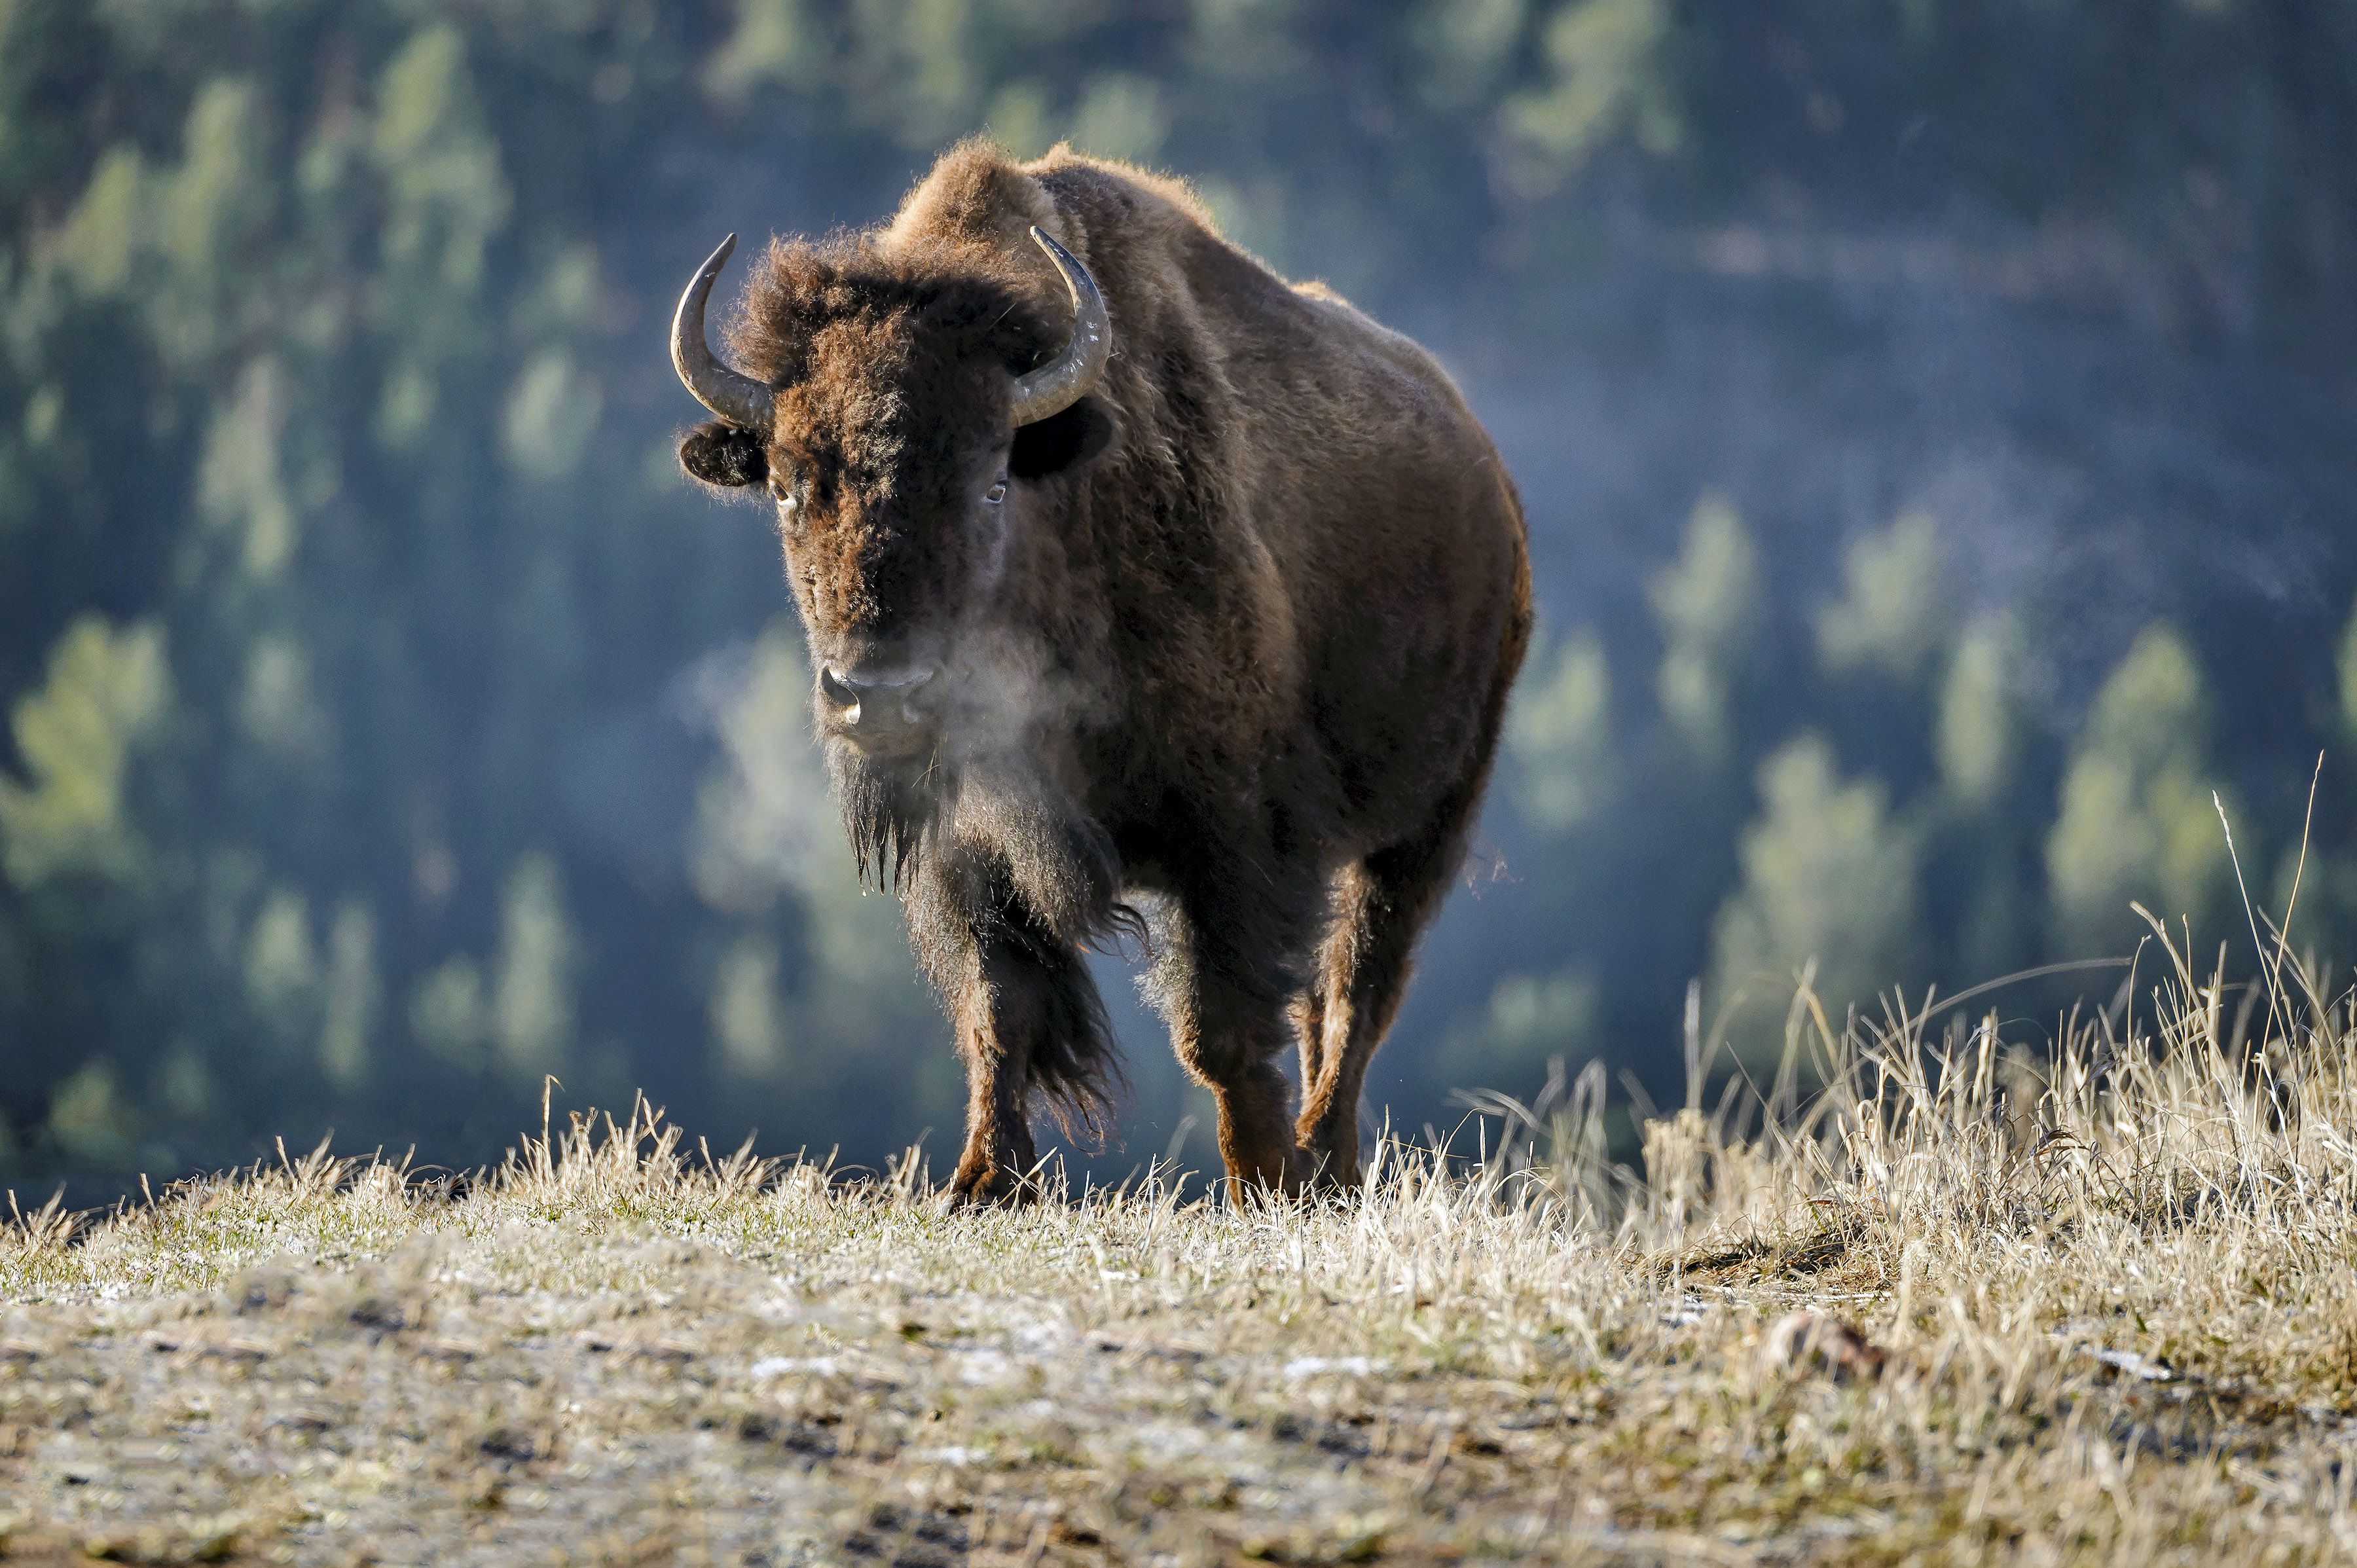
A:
x: 899, y: 411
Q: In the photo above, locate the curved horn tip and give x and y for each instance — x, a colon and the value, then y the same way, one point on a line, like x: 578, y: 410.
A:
x: 1053, y: 388
x: 1066, y: 263
x: 736, y: 397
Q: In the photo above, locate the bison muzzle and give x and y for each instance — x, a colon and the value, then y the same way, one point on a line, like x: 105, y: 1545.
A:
x: 1136, y: 579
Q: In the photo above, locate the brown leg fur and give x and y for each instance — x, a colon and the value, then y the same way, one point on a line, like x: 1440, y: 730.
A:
x: 1232, y: 1047
x: 1309, y: 1028
x: 1363, y: 968
x: 1228, y: 1038
x: 1001, y: 1014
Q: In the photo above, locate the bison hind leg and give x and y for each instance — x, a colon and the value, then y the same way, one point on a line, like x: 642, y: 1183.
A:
x: 1225, y: 967
x: 1382, y: 906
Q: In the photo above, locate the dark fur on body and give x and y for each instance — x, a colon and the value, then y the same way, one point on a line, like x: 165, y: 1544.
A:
x: 1237, y: 645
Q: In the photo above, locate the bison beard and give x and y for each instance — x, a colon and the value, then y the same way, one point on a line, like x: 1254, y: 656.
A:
x: 1172, y: 580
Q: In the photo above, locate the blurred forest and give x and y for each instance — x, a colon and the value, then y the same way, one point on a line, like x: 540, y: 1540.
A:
x: 1934, y: 416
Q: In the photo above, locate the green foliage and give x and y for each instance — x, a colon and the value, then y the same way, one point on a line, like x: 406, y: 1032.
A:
x: 1559, y: 736
x: 2138, y: 817
x: 348, y: 1024
x: 1981, y: 820
x: 282, y: 965
x: 531, y: 1000
x: 389, y: 726
x: 747, y: 1020
x: 242, y: 483
x: 107, y: 692
x: 1605, y: 78
x: 448, y: 1016
x: 90, y: 1120
x: 1709, y: 603
x: 1532, y: 1020
x: 1895, y: 611
x: 1829, y: 876
x: 100, y: 240
x: 447, y: 195
x: 1981, y: 727
x: 774, y: 43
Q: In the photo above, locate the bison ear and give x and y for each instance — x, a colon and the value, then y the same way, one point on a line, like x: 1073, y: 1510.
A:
x: 724, y: 455
x: 1061, y: 441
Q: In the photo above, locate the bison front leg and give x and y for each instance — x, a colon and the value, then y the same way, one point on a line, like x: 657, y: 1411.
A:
x: 1030, y: 1024
x: 999, y: 1018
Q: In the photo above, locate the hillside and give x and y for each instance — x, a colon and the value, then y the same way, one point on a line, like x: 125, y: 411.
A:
x: 2108, y: 1315
x: 1932, y: 420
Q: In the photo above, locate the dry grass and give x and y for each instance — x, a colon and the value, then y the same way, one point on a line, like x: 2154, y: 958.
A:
x: 2114, y: 1298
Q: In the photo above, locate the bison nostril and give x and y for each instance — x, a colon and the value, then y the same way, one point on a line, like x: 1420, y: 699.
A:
x: 876, y: 701
x: 839, y: 692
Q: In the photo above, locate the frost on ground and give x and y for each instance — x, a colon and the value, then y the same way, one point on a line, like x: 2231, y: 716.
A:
x: 1951, y: 1308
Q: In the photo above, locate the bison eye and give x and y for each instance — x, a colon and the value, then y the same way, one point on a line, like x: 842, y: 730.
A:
x: 996, y: 493
x: 783, y: 490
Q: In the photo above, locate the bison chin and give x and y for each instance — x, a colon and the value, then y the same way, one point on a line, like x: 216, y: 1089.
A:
x: 999, y: 842
x: 889, y: 808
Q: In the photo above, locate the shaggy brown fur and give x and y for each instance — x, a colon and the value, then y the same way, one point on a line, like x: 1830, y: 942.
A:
x: 1236, y: 645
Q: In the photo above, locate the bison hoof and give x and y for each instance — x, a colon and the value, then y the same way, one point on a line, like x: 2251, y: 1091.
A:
x: 995, y: 1187
x: 1331, y: 1185
x: 1315, y: 1173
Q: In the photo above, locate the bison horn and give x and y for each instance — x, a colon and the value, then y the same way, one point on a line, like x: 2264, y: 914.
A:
x: 1055, y: 387
x: 735, y: 397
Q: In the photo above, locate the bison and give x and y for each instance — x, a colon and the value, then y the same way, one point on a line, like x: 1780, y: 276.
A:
x: 1135, y: 578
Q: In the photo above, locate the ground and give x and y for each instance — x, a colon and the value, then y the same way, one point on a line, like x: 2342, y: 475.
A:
x: 2104, y: 1315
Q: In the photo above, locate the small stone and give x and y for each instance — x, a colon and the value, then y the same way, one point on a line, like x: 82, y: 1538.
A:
x: 1813, y: 1342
